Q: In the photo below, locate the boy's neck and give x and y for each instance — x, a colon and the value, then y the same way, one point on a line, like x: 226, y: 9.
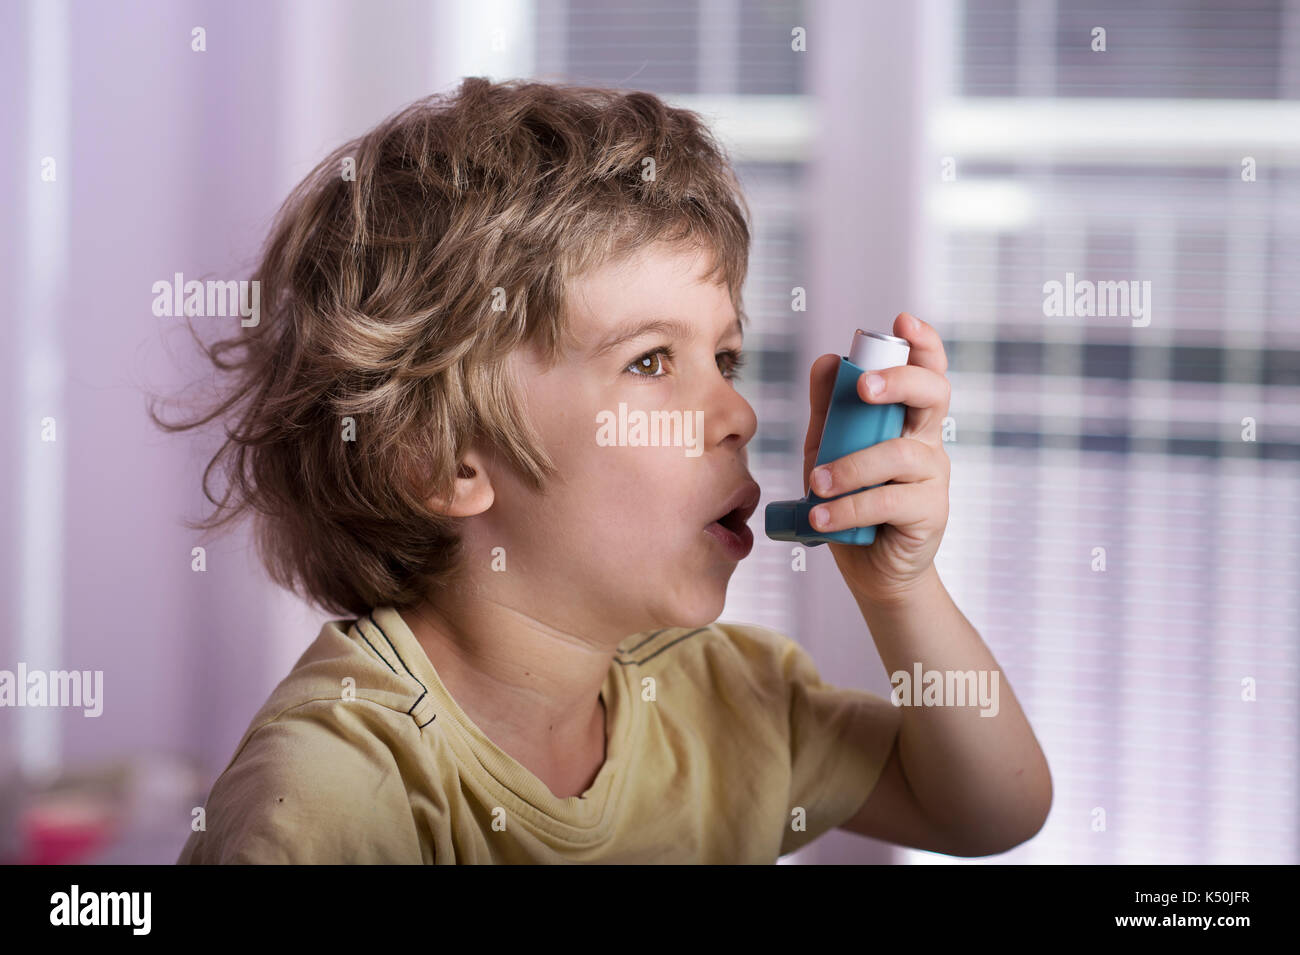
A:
x: 533, y: 692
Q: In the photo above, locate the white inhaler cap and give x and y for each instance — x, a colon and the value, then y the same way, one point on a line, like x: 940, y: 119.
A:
x: 875, y: 350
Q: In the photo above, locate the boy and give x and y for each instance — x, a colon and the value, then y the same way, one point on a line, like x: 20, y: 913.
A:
x: 530, y: 669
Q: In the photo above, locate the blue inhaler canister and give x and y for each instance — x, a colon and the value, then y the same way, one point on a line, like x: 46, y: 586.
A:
x: 851, y: 425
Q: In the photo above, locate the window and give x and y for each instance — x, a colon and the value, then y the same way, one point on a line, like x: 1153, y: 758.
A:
x: 1082, y: 436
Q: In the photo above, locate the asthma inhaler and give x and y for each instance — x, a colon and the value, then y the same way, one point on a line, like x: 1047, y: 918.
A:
x: 851, y: 425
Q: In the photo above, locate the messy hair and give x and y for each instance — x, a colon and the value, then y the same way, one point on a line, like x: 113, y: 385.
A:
x: 397, y: 278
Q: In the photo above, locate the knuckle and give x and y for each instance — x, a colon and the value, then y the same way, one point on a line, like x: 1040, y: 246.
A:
x: 887, y: 498
x: 862, y: 508
x: 909, y: 454
x: 875, y: 461
x: 845, y: 473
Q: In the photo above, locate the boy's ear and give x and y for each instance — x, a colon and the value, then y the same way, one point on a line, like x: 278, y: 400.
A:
x: 473, y: 492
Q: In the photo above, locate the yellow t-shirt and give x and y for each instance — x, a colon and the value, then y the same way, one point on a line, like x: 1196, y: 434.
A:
x: 716, y: 736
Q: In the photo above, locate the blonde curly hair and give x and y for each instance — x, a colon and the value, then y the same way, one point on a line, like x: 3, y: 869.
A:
x: 382, y: 301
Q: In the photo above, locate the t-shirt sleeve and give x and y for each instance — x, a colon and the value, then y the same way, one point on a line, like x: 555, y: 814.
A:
x: 314, y: 788
x: 840, y: 740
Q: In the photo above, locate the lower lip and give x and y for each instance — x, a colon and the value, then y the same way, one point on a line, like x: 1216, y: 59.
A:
x: 736, y: 545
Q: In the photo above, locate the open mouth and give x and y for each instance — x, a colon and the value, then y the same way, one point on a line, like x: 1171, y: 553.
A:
x: 733, y: 521
x: 732, y: 528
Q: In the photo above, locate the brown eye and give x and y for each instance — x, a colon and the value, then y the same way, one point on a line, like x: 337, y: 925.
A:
x: 730, y: 362
x: 650, y: 365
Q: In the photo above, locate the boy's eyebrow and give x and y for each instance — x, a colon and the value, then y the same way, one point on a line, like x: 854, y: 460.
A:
x: 666, y: 326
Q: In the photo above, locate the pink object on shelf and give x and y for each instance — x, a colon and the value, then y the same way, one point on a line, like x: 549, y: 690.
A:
x: 65, y: 832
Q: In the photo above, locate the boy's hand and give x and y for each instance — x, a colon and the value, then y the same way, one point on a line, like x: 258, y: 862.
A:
x: 913, y: 509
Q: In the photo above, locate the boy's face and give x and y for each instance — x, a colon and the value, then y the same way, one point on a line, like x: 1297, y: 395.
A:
x: 618, y: 540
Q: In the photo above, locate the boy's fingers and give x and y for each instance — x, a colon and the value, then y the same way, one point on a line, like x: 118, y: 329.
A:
x: 896, y: 504
x: 927, y: 347
x: 925, y: 393
x: 901, y: 460
x: 920, y: 385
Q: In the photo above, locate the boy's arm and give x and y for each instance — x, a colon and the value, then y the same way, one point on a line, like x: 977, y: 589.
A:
x: 956, y: 782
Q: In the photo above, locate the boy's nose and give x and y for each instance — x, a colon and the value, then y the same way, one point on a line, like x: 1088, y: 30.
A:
x: 728, y: 418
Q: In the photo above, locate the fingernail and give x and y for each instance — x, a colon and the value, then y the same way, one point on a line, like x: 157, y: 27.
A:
x: 875, y: 384
x: 916, y: 324
x: 821, y: 478
x: 820, y: 516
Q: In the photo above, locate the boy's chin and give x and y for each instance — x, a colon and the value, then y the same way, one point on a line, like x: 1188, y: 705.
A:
x: 700, y: 612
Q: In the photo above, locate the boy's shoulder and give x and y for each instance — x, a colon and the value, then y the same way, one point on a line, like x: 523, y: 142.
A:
x: 363, y: 674
x: 351, y: 667
x: 328, y: 742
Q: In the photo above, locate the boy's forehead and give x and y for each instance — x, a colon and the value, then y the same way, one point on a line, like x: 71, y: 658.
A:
x: 654, y: 291
x: 659, y: 272
x: 605, y: 313
x: 599, y: 333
